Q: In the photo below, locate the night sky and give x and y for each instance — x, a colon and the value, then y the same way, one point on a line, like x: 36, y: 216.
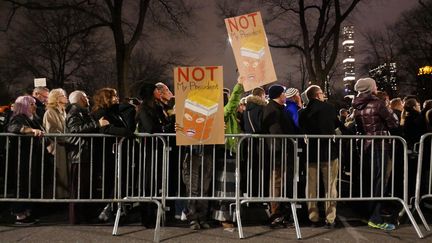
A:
x: 213, y: 49
x: 211, y: 46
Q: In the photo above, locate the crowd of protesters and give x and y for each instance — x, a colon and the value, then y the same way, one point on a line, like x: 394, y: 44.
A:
x: 278, y: 111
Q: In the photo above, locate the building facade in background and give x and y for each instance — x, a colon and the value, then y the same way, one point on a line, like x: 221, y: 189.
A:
x: 348, y: 59
x: 385, y: 77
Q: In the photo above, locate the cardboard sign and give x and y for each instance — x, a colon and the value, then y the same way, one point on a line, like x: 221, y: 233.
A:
x: 251, y: 51
x: 40, y: 82
x: 199, y: 105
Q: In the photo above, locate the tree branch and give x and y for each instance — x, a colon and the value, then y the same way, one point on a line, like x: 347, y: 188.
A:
x: 139, y: 27
x: 288, y: 46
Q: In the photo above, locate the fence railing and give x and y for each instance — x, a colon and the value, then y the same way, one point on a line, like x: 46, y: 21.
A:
x: 261, y: 168
x: 357, y: 156
x: 423, y: 189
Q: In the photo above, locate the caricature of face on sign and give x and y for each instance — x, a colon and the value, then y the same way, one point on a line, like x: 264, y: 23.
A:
x: 199, y: 111
x: 251, y: 51
x: 252, y: 61
x: 199, y: 105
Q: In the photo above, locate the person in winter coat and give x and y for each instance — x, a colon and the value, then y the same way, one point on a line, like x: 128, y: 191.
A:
x: 151, y: 119
x: 106, y: 105
x: 252, y: 119
x: 225, y: 178
x: 24, y: 121
x: 413, y: 126
x: 252, y: 116
x: 373, y: 117
x: 320, y: 118
x: 293, y: 104
x: 79, y: 120
x: 276, y: 121
x: 54, y: 122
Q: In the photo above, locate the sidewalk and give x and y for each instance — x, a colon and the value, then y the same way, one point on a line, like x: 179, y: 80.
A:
x: 55, y: 228
x: 82, y: 233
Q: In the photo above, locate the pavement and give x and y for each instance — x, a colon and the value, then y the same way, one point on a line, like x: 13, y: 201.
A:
x: 55, y: 228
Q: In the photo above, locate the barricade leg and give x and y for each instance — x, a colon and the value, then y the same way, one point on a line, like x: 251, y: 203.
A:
x: 413, y: 222
x: 420, y: 213
x: 296, y: 223
x: 117, y: 219
x: 159, y: 214
x: 239, y: 222
x: 156, y: 237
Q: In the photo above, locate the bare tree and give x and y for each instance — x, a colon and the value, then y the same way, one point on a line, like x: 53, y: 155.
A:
x: 147, y: 68
x: 381, y: 47
x: 318, y: 28
x: 45, y: 45
x: 312, y: 28
x: 126, y: 21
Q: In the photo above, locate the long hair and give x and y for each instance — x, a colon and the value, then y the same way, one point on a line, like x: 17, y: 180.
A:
x: 102, y: 98
x: 409, y: 107
x: 22, y: 105
x: 53, y: 97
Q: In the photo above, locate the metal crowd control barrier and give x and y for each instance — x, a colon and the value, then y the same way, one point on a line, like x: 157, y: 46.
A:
x: 423, y: 188
x: 199, y: 173
x: 263, y: 168
x: 104, y: 170
x: 349, y: 151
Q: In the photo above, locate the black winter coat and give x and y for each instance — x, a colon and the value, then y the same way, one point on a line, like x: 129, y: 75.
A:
x: 319, y: 118
x: 30, y: 150
x: 79, y: 120
x: 276, y: 121
x: 413, y: 128
x: 252, y: 116
x: 151, y: 118
x: 118, y: 125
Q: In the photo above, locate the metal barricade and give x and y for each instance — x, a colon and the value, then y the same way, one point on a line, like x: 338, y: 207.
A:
x: 263, y: 168
x: 84, y: 168
x: 360, y: 156
x: 423, y: 189
x: 197, y: 174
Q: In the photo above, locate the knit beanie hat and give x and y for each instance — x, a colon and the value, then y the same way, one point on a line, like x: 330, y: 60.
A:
x: 291, y: 92
x: 364, y: 85
x: 275, y: 91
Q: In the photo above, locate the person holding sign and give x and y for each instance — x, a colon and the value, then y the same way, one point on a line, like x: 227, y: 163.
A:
x: 225, y: 185
x: 199, y: 120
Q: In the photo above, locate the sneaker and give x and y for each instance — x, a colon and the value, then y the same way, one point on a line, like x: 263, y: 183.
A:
x: 278, y: 223
x: 183, y: 216
x: 106, y: 214
x: 228, y: 226
x: 383, y: 226
x: 194, y: 225
x: 329, y: 225
x: 26, y: 221
x: 204, y: 225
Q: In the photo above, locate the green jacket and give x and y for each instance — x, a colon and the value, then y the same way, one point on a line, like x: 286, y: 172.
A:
x: 230, y: 117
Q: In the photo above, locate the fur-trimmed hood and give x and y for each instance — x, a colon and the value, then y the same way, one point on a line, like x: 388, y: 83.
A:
x: 253, y: 100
